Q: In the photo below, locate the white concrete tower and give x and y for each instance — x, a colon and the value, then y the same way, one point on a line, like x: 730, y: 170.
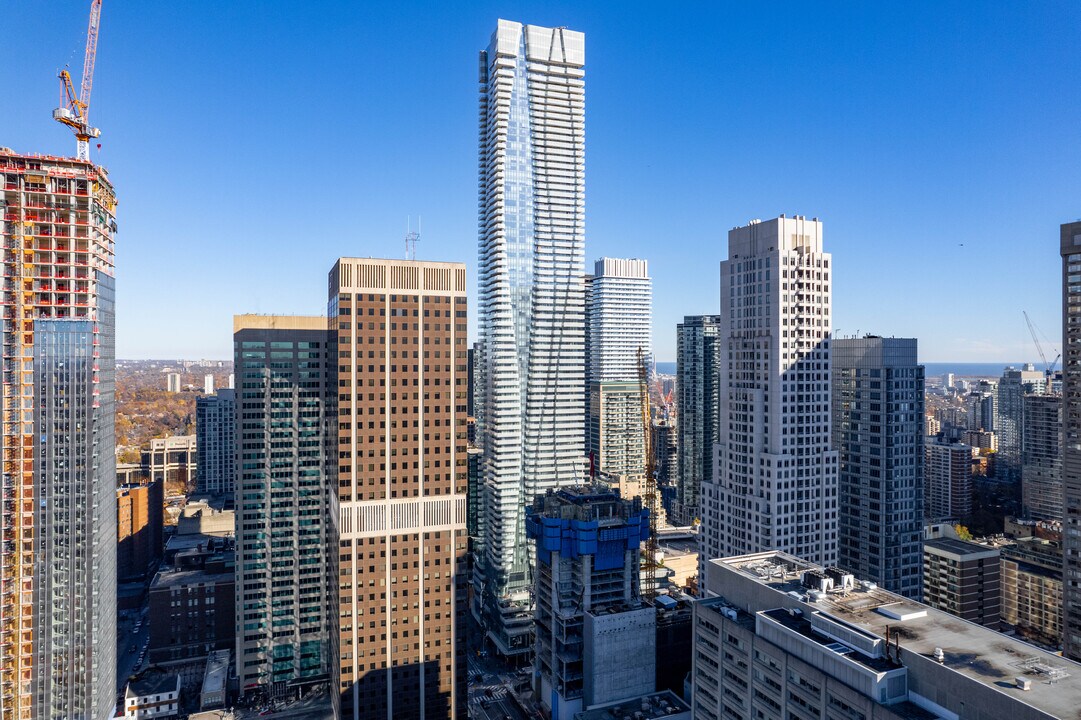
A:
x: 530, y: 384
x: 774, y: 485
x: 620, y: 318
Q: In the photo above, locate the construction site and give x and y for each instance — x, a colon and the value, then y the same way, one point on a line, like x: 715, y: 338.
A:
x: 57, y: 598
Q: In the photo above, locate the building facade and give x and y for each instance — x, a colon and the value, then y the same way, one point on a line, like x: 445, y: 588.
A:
x: 595, y: 638
x: 57, y: 560
x: 1070, y: 250
x: 193, y: 607
x: 947, y: 481
x: 399, y: 329
x: 766, y: 645
x: 1032, y: 589
x: 878, y: 433
x: 698, y: 368
x: 215, y: 432
x: 1010, y: 418
x: 282, y: 421
x: 1041, y: 458
x: 963, y: 579
x: 172, y: 461
x: 139, y: 527
x: 617, y: 437
x: 530, y: 380
x: 620, y: 318
x: 774, y: 485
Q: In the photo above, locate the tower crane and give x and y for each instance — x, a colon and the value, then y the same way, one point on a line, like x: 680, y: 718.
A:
x: 74, y: 111
x: 1049, y: 369
x: 650, y: 590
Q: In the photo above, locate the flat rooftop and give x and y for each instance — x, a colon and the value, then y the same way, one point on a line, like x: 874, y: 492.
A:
x: 648, y: 707
x: 959, y: 547
x: 979, y: 653
x: 153, y: 682
x: 170, y: 578
x: 217, y: 669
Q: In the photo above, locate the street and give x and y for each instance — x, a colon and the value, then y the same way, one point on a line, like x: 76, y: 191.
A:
x: 499, y: 681
x: 126, y: 637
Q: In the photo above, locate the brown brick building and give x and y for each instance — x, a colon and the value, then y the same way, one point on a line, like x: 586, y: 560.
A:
x: 400, y: 332
x: 139, y: 521
x: 192, y: 608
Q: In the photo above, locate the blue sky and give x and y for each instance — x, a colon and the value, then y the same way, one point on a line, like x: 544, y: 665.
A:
x: 252, y: 143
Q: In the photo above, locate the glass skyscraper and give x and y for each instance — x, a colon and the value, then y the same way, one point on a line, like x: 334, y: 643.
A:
x: 530, y: 384
x: 58, y: 552
x: 282, y: 421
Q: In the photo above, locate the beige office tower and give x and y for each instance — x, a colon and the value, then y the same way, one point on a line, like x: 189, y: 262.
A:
x: 400, y: 332
x: 58, y: 516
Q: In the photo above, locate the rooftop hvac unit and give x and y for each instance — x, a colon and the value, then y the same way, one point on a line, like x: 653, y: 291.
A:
x: 1023, y: 683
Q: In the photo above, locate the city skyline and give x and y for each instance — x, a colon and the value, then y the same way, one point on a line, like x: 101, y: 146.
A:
x: 979, y: 144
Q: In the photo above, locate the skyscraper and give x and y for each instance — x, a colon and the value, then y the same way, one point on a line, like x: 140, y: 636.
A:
x: 1070, y: 249
x: 399, y: 332
x: 530, y: 378
x: 282, y: 418
x: 215, y: 432
x: 878, y: 434
x: 775, y: 483
x: 1041, y: 458
x: 1010, y: 418
x: 58, y: 553
x: 698, y: 377
x: 618, y: 320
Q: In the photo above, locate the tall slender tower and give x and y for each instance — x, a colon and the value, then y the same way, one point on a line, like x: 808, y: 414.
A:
x: 215, y: 431
x: 282, y: 417
x: 878, y: 434
x: 698, y: 369
x: 619, y: 325
x: 530, y: 384
x: 58, y: 553
x: 1070, y: 249
x: 774, y: 486
x: 399, y: 331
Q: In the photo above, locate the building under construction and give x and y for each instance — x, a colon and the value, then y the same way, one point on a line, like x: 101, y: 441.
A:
x: 58, y: 558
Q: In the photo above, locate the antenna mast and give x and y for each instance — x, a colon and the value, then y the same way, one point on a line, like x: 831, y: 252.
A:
x: 411, y: 239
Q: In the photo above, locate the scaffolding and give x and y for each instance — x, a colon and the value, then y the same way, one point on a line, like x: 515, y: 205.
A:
x: 57, y: 231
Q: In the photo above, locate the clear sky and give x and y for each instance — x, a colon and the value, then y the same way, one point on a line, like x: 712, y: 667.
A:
x: 252, y: 143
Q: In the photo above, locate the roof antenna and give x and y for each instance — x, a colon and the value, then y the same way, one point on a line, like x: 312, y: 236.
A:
x: 411, y: 239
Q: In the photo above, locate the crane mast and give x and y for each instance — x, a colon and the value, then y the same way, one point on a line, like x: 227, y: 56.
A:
x: 650, y: 590
x: 74, y: 111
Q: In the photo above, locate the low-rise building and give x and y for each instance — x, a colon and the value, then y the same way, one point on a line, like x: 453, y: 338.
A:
x: 172, y: 460
x: 1032, y: 590
x: 192, y: 607
x: 781, y: 637
x: 212, y: 694
x: 963, y: 579
x: 153, y: 694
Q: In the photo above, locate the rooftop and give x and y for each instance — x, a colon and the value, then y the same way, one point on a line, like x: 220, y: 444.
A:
x: 980, y: 654
x: 959, y: 547
x: 170, y: 578
x: 217, y: 671
x: 648, y: 707
x: 153, y: 682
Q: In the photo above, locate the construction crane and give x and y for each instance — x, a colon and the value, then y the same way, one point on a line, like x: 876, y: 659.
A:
x: 649, y: 591
x: 1049, y: 369
x: 74, y: 111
